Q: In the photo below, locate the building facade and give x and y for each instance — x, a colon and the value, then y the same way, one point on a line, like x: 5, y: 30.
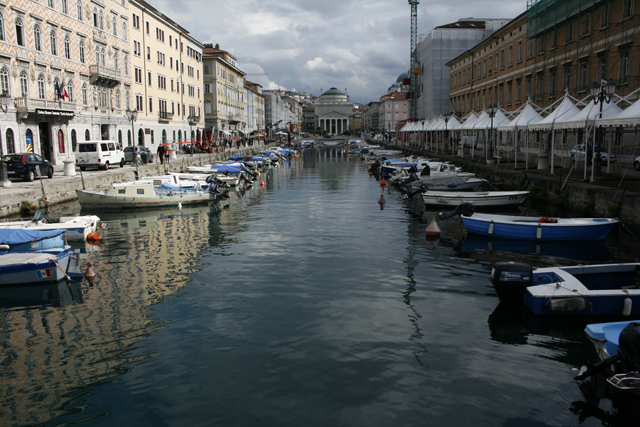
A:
x: 372, y: 123
x: 167, y: 79
x: 308, y: 119
x: 254, y: 108
x: 224, y: 93
x: 333, y: 112
x: 65, y: 66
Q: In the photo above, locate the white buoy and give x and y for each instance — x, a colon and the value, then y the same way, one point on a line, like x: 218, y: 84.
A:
x: 433, y: 230
x: 179, y: 205
x: 626, y: 308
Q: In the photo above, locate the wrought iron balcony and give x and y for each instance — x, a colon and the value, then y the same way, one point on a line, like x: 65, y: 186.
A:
x: 165, y: 116
x: 30, y: 105
x: 104, y: 75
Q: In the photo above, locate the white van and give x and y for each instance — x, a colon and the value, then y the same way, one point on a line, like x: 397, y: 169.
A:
x: 100, y: 154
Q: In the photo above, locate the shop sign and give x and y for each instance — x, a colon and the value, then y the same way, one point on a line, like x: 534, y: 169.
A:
x: 54, y: 113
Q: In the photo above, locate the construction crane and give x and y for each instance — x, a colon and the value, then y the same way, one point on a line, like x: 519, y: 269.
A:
x: 413, y: 100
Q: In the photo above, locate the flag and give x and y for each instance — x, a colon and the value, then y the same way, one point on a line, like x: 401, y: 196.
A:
x: 63, y: 91
x: 57, y: 91
x: 65, y: 94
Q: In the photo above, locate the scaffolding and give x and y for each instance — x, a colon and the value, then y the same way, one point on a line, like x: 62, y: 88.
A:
x: 544, y: 14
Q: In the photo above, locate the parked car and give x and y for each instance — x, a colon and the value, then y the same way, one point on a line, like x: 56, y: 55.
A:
x: 27, y: 166
x: 145, y: 154
x: 636, y: 163
x: 101, y: 154
x: 578, y: 152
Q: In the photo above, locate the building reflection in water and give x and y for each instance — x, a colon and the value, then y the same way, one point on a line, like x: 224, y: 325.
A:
x: 58, y: 342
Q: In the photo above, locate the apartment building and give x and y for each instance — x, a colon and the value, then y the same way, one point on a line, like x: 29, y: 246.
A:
x: 224, y: 92
x: 64, y: 66
x: 167, y: 68
x: 254, y: 115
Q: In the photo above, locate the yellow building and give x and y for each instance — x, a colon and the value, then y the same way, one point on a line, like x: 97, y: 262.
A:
x: 167, y: 79
x: 223, y: 93
x: 81, y: 47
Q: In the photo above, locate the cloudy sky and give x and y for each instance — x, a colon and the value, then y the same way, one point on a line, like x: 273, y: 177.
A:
x: 309, y: 45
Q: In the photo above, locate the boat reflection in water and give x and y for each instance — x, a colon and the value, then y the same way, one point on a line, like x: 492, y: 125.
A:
x: 141, y: 219
x: 59, y: 294
x: 594, y: 251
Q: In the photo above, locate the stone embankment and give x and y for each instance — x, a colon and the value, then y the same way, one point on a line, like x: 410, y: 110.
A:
x: 42, y: 192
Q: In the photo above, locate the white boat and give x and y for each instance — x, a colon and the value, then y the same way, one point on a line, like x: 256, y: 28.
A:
x: 77, y: 227
x: 38, y: 267
x: 475, y: 198
x: 132, y: 195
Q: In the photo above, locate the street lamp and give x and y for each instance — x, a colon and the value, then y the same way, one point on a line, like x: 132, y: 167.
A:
x: 493, y: 109
x: 601, y: 93
x: 4, y: 178
x: 132, y: 115
x: 447, y: 115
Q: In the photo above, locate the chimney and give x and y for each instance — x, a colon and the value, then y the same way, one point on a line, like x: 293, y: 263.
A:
x: 217, y: 46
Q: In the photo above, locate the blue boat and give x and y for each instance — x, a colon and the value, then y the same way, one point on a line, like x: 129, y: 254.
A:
x: 537, y: 228
x: 26, y: 240
x: 38, y: 267
x: 595, y: 290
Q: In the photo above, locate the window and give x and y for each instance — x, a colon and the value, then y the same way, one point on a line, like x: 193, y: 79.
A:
x: 19, y: 32
x: 554, y: 38
x: 518, y: 90
x: 125, y: 63
x: 69, y: 88
x: 126, y: 99
x: 567, y: 76
x: 530, y: 48
x: 41, y: 91
x: 150, y: 104
x: 118, y: 98
x: 4, y: 80
x: 586, y: 24
x: 602, y: 66
x: 67, y: 47
x: 473, y: 73
x: 114, y: 25
x: 162, y: 82
x: 490, y: 63
x: 207, y: 88
x: 136, y: 48
x: 552, y: 81
x: 2, y: 27
x: 583, y: 77
x: 148, y: 53
x: 139, y: 103
x: 64, y: 6
x: 540, y: 85
x: 81, y: 51
x: 604, y: 15
x: 124, y: 29
x: 149, y: 78
x: 116, y: 63
x: 161, y: 58
x: 98, y: 18
x: 79, y: 10
x: 135, y: 21
x: 624, y: 64
x: 37, y: 38
x: 207, y: 107
x: 207, y: 70
x: 510, y: 56
x: 519, y: 52
x: 102, y: 56
x: 147, y: 24
x: 528, y: 86
x: 85, y: 98
x: 569, y: 32
x: 159, y: 34
x: 541, y: 43
x: 51, y: 3
x: 509, y: 92
x: 53, y: 40
x: 627, y: 9
x: 138, y: 74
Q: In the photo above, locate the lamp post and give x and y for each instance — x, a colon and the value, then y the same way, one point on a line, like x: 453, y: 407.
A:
x: 601, y: 93
x: 493, y: 109
x: 447, y: 115
x: 4, y: 178
x: 422, y: 136
x: 132, y: 115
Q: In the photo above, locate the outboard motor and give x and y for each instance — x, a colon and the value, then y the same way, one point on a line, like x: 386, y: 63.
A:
x: 464, y: 209
x: 412, y: 177
x: 420, y: 190
x: 510, y: 279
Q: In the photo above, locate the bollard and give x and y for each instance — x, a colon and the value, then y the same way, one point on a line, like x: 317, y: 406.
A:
x: 4, y: 178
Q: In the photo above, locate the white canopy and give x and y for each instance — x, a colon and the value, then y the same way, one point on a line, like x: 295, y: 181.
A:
x: 486, y: 122
x: 480, y: 122
x: 566, y: 110
x: 407, y: 127
x: 469, y: 120
x: 434, y: 124
x: 453, y: 124
x: 589, y: 115
x: 526, y: 117
x: 628, y: 117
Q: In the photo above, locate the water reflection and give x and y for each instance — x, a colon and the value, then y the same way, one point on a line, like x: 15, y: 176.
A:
x: 58, y: 294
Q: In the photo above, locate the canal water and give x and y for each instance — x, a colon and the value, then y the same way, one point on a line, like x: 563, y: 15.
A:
x: 300, y: 303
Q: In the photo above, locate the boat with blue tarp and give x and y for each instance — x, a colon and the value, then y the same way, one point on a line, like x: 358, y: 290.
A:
x: 25, y: 240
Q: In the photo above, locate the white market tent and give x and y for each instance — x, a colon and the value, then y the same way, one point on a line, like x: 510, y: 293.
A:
x: 528, y: 116
x: 628, y: 117
x: 588, y: 116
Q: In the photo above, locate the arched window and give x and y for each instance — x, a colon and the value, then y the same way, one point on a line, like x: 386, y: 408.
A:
x: 81, y: 51
x: 101, y: 19
x: 124, y: 30
x: 87, y: 135
x: 118, y: 98
x: 65, y: 6
x: 140, y: 137
x: 102, y: 56
x: 129, y: 138
x: 54, y: 42
x: 37, y: 37
x: 2, y: 27
x: 97, y: 55
x: 164, y: 136
x: 114, y: 24
x: 80, y: 10
x: 126, y: 100
x: 74, y: 140
x: 120, y: 138
x: 19, y: 32
x: 41, y: 92
x: 4, y: 80
x: 125, y: 64
x: 69, y: 88
x: 85, y: 100
x: 11, y: 148
x: 67, y: 47
x: 96, y: 20
x: 116, y: 62
x: 24, y: 84
x: 61, y: 142
x: 174, y: 136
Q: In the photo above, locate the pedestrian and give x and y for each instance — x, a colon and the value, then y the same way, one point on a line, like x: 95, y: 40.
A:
x: 161, y: 153
x: 166, y: 154
x: 138, y: 157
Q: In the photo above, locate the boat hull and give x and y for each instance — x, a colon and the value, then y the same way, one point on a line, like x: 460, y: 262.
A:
x: 491, y: 198
x: 96, y: 200
x: 528, y: 228
x: 28, y: 268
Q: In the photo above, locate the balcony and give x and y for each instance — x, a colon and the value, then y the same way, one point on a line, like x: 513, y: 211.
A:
x: 163, y: 116
x: 25, y: 105
x: 235, y: 118
x: 104, y: 76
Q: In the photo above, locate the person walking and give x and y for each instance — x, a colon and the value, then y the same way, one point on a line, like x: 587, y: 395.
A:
x: 166, y: 154
x: 161, y: 153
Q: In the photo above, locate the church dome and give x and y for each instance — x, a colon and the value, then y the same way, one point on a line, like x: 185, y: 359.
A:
x: 401, y: 77
x: 333, y: 91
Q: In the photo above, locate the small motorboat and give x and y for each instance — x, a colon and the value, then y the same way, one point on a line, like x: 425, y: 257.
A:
x: 603, y: 289
x: 618, y: 347
x: 26, y: 240
x: 77, y: 228
x: 38, y: 267
x: 538, y: 228
x: 475, y: 198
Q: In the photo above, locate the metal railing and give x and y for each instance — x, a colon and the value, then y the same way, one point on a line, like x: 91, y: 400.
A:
x: 25, y: 104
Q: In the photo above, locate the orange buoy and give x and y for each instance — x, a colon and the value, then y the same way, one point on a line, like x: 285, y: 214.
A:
x: 262, y: 183
x: 92, y: 237
x: 433, y: 230
x: 383, y: 183
x: 370, y: 174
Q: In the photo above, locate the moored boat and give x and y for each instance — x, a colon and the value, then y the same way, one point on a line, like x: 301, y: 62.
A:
x: 538, y: 228
x: 25, y: 240
x: 40, y: 267
x: 475, y: 198
x: 76, y: 228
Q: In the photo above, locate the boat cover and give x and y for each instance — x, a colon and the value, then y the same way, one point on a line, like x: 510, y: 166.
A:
x: 225, y: 168
x: 18, y: 236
